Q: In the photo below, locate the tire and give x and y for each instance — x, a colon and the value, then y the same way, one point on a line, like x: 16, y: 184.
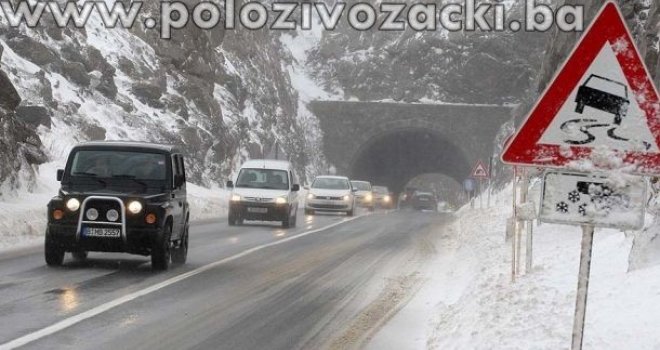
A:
x: 350, y: 212
x: 79, y: 255
x: 580, y: 107
x: 160, y: 252
x: 180, y: 253
x: 372, y: 209
x: 295, y: 219
x: 286, y: 223
x: 53, y: 253
x: 617, y: 119
x: 231, y: 218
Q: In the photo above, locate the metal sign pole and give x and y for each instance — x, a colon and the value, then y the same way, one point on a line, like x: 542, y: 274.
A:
x: 515, y: 225
x: 583, y: 286
x: 490, y: 180
x: 530, y: 246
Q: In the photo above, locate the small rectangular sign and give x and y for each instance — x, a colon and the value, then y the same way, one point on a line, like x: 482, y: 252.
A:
x: 583, y: 199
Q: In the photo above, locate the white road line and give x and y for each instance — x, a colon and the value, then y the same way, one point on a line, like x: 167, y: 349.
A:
x: 68, y: 322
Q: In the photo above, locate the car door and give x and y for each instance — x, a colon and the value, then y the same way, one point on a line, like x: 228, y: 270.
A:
x: 178, y: 198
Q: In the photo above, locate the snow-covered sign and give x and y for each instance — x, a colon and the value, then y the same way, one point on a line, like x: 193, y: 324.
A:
x: 602, y: 102
x: 479, y: 171
x: 581, y: 199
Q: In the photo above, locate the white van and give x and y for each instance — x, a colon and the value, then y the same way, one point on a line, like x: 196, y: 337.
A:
x: 265, y: 190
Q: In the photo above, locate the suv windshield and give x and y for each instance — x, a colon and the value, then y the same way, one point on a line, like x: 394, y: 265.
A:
x: 326, y: 183
x: 361, y: 185
x: 114, y: 164
x: 263, y: 178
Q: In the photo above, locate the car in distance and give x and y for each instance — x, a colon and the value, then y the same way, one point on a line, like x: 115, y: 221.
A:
x: 265, y: 190
x: 603, y: 94
x: 424, y: 201
x: 383, y: 198
x: 364, y: 195
x: 120, y: 197
x: 330, y: 193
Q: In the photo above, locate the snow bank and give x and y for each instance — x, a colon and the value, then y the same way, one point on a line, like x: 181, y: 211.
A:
x: 23, y: 214
x: 469, y: 301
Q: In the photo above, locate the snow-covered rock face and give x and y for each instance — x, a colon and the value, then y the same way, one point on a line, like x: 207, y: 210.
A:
x: 410, y: 66
x: 221, y: 96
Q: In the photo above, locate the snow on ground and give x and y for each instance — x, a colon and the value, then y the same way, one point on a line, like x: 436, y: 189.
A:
x: 23, y: 214
x: 469, y: 301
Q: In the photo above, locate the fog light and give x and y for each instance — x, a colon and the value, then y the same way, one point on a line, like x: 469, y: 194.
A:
x: 92, y: 214
x: 135, y: 207
x: 112, y: 215
x: 150, y: 218
x: 58, y: 214
x: 73, y: 204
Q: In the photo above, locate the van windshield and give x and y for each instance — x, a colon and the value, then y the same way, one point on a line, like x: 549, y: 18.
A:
x: 263, y: 178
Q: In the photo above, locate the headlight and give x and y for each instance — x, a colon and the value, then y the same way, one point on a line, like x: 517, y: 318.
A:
x: 280, y: 200
x: 368, y: 197
x: 135, y: 207
x: 73, y: 204
x: 311, y: 196
x: 235, y: 198
x: 387, y: 199
x: 112, y: 215
x: 92, y: 214
x: 347, y: 198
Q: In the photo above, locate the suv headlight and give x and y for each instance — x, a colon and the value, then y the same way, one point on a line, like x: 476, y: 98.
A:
x: 73, y: 204
x: 280, y: 200
x: 347, y: 198
x: 311, y: 196
x: 235, y: 198
x: 134, y: 207
x: 368, y: 197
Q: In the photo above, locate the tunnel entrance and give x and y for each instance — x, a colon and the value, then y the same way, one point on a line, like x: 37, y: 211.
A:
x: 398, y: 156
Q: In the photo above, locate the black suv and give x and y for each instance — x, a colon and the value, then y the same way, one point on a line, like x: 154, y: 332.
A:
x: 120, y: 197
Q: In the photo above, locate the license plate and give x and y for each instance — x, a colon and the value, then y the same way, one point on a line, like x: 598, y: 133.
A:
x: 101, y: 232
x: 257, y: 210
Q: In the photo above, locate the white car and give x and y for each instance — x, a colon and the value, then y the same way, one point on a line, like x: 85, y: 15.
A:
x: 265, y: 190
x: 364, y: 194
x: 330, y: 193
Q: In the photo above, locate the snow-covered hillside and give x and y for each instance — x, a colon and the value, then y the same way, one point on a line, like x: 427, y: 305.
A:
x: 469, y: 301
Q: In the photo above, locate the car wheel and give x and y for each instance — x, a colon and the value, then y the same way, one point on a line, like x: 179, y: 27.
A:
x: 286, y: 223
x: 180, y: 253
x: 350, y: 212
x: 54, y: 254
x: 295, y: 219
x: 160, y: 252
x: 617, y: 119
x: 79, y: 255
x: 580, y: 107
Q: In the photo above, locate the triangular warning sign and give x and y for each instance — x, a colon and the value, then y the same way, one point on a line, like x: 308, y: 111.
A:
x: 602, y: 98
x: 479, y: 171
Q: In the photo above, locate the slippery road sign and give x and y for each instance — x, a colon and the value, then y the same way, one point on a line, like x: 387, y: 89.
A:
x: 479, y: 171
x: 602, y: 101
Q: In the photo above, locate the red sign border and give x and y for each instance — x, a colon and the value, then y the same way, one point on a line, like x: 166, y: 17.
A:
x: 524, y: 149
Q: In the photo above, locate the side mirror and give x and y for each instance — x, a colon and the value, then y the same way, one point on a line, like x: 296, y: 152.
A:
x: 295, y: 188
x: 60, y: 174
x: 354, y: 190
x: 179, y: 180
x: 230, y: 184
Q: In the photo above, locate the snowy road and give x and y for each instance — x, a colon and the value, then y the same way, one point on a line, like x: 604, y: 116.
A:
x: 332, y: 287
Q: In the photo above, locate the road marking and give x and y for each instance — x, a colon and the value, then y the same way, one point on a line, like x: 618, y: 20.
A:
x: 68, y: 322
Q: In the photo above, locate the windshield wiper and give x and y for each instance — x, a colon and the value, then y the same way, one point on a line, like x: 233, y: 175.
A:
x: 131, y: 177
x: 82, y: 173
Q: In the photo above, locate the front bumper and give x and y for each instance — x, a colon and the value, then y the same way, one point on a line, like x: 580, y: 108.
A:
x: 259, y: 211
x: 139, y: 240
x: 328, y: 205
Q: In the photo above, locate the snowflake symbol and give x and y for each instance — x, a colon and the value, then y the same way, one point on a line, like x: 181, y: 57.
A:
x: 574, y: 196
x: 562, y: 207
x: 582, y: 210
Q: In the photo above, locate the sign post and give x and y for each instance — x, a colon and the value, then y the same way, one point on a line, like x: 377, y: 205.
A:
x: 601, y: 112
x: 480, y: 173
x: 583, y: 286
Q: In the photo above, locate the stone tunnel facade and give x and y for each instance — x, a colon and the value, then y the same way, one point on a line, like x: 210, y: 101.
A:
x: 391, y: 143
